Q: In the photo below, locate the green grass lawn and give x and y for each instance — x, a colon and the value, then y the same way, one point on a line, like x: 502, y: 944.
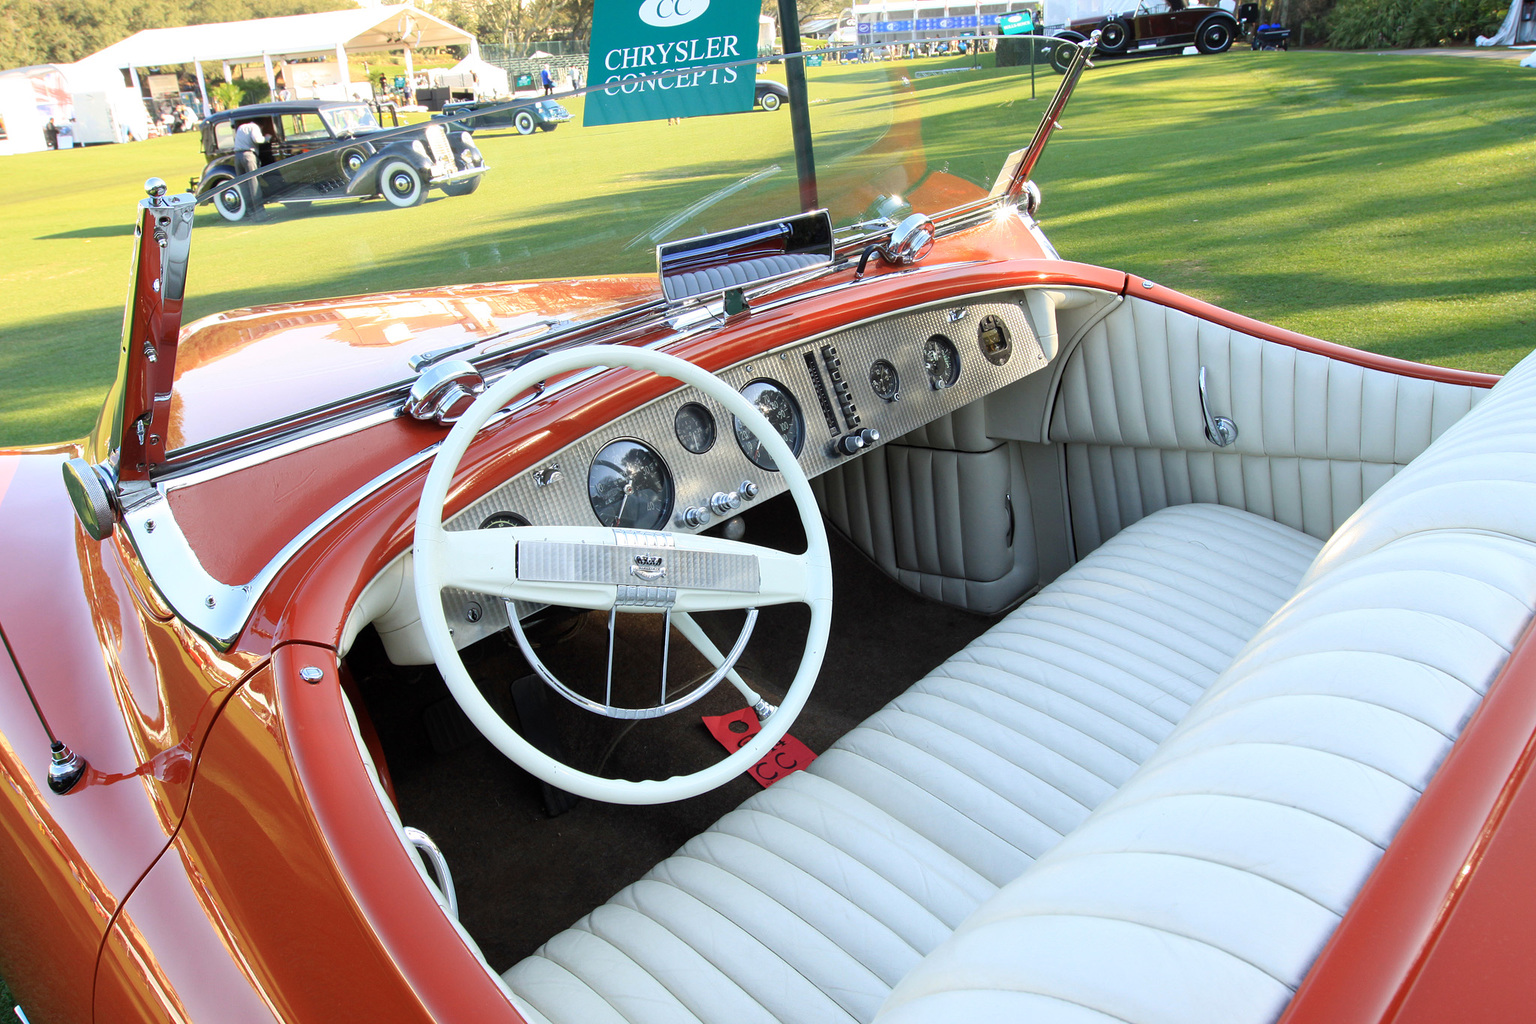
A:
x: 1378, y: 201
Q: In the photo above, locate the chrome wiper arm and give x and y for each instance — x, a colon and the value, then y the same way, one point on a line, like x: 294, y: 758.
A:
x: 422, y: 360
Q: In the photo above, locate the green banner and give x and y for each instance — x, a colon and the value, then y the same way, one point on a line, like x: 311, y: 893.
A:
x: 676, y: 39
x: 1015, y: 24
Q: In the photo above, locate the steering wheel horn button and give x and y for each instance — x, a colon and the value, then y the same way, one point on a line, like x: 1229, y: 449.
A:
x: 621, y: 564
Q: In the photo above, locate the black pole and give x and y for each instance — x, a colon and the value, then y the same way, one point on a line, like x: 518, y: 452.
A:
x: 799, y: 104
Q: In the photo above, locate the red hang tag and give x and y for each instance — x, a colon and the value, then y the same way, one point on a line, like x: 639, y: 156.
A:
x: 735, y: 729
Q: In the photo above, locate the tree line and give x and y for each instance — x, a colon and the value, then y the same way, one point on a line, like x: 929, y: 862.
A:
x: 63, y: 31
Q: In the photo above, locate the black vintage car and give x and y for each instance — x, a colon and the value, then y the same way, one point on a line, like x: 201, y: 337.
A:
x: 474, y: 116
x: 1159, y: 25
x: 362, y: 162
x: 769, y: 95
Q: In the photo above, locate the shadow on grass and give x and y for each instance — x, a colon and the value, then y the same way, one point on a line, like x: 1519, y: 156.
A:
x: 97, y: 231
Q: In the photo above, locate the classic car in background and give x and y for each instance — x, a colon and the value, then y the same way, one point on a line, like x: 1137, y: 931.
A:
x: 317, y: 150
x: 1155, y: 25
x: 769, y: 95
x: 474, y: 115
x: 346, y: 655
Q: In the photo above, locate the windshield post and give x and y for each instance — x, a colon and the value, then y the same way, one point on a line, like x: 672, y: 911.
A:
x: 135, y: 420
x: 1052, y: 118
x: 799, y: 105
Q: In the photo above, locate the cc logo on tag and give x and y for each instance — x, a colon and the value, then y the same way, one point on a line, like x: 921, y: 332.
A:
x: 666, y: 13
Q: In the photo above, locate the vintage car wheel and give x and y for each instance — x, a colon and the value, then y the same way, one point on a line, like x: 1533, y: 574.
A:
x: 548, y: 127
x: 229, y: 200
x: 771, y: 101
x: 1215, y: 36
x: 461, y: 188
x: 706, y: 574
x: 1114, y: 37
x: 352, y: 159
x: 1062, y: 52
x: 524, y: 123
x: 401, y: 184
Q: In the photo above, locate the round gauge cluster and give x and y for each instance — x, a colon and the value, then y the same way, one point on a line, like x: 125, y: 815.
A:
x: 942, y: 361
x: 500, y: 519
x: 695, y: 428
x: 885, y: 380
x: 630, y: 486
x: 781, y: 410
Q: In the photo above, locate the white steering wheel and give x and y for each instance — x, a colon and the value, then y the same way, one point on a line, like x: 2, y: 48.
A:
x: 601, y: 568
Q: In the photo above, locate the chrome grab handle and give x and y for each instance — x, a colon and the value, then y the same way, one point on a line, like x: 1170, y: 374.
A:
x: 1218, y: 429
x: 433, y: 856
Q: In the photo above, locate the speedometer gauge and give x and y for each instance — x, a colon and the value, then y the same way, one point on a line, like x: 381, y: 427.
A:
x: 781, y: 410
x: 630, y: 486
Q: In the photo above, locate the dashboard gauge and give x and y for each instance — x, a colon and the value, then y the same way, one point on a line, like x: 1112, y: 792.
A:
x: 630, y: 486
x: 781, y: 409
x: 942, y: 362
x: 992, y: 336
x: 695, y: 427
x: 885, y: 380
x: 497, y: 519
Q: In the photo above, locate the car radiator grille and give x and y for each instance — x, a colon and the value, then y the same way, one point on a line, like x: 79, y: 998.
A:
x: 442, y: 153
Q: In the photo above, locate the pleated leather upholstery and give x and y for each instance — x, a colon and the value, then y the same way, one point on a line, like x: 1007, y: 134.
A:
x: 1205, y: 887
x: 734, y: 275
x: 1316, y: 436
x: 816, y: 897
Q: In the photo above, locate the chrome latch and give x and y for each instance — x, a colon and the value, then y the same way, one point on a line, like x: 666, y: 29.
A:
x: 1219, y: 430
x: 442, y: 393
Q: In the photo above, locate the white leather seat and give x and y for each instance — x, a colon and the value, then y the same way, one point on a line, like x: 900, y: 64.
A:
x: 816, y: 897
x: 1206, y: 886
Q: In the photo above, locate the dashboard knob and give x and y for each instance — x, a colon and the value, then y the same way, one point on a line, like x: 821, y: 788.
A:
x: 747, y: 490
x: 869, y: 435
x: 722, y: 502
x: 696, y: 516
x: 848, y: 444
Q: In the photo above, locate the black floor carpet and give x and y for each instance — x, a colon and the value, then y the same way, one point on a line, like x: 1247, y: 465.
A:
x: 522, y: 875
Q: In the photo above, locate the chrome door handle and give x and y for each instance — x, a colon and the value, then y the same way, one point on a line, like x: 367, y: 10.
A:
x: 1218, y: 429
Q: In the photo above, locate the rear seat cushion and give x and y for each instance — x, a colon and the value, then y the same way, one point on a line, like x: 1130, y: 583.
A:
x: 816, y: 897
x: 1206, y: 886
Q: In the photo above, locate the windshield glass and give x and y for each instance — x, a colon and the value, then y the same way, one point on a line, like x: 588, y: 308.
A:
x: 350, y: 119
x: 529, y: 222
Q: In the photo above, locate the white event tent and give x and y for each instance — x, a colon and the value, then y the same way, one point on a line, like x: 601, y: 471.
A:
x: 93, y: 105
x: 328, y: 34
x: 1518, y: 29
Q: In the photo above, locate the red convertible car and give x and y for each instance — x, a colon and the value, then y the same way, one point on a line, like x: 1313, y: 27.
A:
x: 1080, y: 651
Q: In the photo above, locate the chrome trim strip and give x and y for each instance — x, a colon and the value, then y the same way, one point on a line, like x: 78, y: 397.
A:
x: 219, y: 611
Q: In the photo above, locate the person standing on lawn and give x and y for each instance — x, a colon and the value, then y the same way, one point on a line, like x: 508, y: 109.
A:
x: 247, y: 138
x: 548, y: 80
